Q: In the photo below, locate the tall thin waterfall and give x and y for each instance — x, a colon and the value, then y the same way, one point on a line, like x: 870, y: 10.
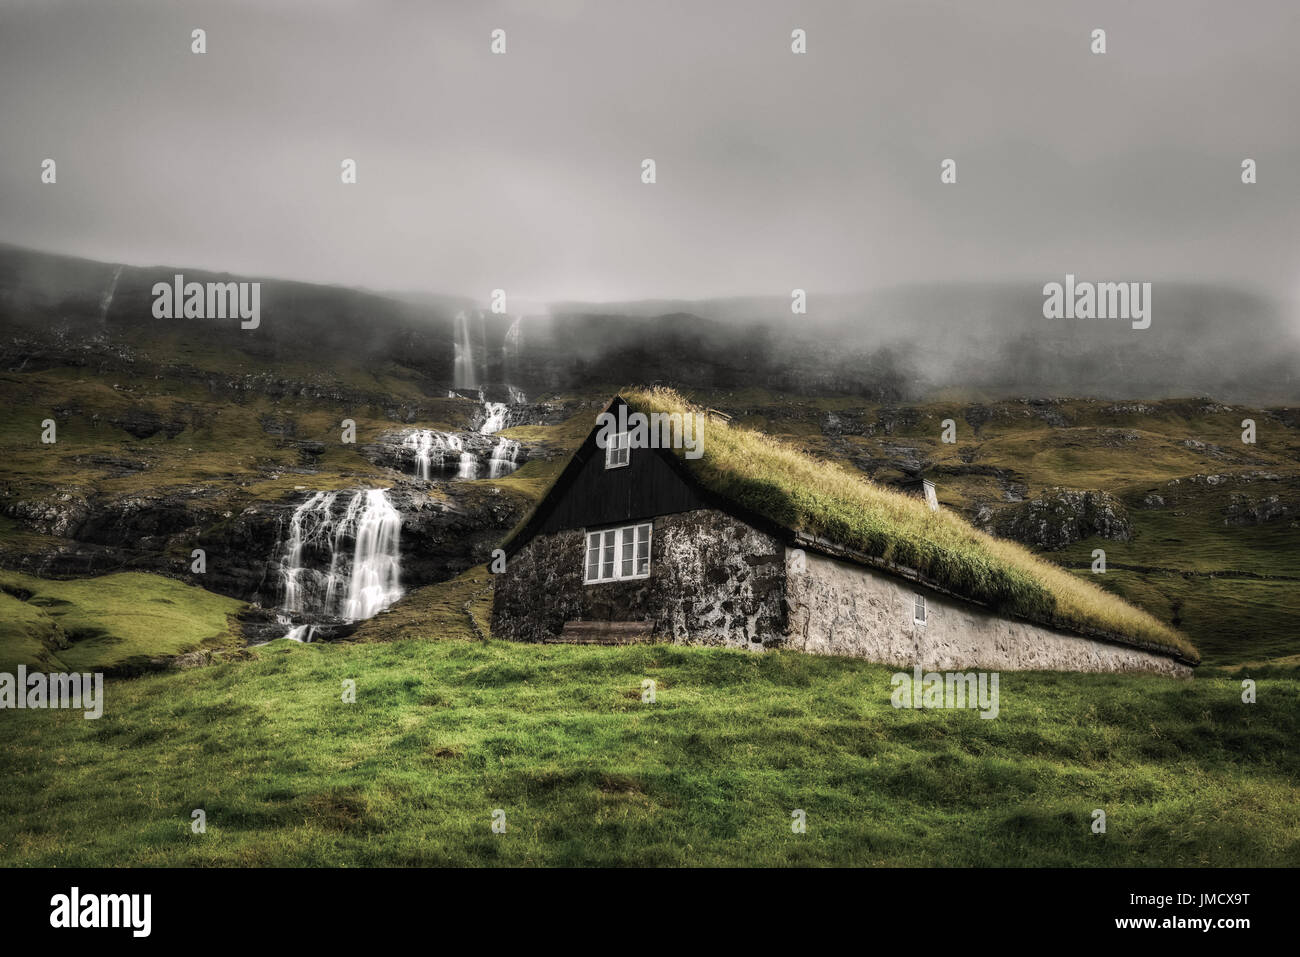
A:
x: 503, y: 458
x: 106, y: 300
x: 465, y: 371
x: 510, y: 347
x: 514, y: 335
x: 344, y: 566
x: 376, y: 577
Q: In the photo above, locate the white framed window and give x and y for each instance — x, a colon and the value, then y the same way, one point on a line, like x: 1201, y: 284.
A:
x: 617, y: 451
x: 614, y: 554
x: 918, y: 609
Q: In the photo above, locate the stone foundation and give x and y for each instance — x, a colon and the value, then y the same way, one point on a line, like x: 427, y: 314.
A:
x: 713, y: 581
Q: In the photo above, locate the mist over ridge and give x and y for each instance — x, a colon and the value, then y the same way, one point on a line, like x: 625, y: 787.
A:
x: 908, y: 342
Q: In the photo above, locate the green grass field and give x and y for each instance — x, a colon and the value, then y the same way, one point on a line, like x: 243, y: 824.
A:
x: 443, y: 733
x: 447, y: 728
x: 113, y: 622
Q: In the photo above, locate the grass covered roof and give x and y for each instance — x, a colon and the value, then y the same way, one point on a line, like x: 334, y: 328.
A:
x: 805, y: 494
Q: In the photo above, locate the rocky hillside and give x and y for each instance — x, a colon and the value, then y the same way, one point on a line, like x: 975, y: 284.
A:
x: 170, y: 438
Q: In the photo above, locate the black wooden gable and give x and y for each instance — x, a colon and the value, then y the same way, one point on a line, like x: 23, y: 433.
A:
x: 589, y: 495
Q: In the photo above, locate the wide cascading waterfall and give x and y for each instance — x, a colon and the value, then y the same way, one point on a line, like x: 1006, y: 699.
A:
x: 339, y: 567
x: 440, y: 451
x: 503, y: 458
x: 433, y: 449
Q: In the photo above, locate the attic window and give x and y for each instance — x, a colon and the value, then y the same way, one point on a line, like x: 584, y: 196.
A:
x: 618, y: 553
x: 617, y: 452
x: 918, y: 609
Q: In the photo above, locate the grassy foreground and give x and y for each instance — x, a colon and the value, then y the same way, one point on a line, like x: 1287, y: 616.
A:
x: 444, y: 732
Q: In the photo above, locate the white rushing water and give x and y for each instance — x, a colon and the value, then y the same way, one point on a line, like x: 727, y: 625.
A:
x: 440, y: 450
x: 300, y: 633
x: 503, y: 458
x: 375, y: 582
x: 496, y: 417
x: 106, y: 299
x: 465, y: 369
x: 344, y: 565
x: 514, y: 335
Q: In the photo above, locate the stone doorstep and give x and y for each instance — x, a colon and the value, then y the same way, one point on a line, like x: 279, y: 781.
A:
x: 603, y: 633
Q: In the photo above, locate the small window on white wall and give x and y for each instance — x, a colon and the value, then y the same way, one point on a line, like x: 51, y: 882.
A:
x: 618, y: 553
x: 617, y: 452
x: 918, y: 609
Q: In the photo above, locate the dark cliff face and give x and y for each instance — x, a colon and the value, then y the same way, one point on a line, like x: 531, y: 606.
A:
x: 1059, y: 517
x: 442, y: 534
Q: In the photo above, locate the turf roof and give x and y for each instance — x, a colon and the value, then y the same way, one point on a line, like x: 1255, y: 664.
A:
x: 820, y: 500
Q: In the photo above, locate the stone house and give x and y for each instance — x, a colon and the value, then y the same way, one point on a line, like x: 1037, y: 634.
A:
x: 629, y: 546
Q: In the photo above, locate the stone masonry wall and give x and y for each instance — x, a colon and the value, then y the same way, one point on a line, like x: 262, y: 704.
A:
x: 839, y: 608
x: 713, y: 581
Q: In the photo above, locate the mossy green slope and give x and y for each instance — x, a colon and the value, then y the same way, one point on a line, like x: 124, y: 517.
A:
x: 445, y: 732
x: 113, y: 622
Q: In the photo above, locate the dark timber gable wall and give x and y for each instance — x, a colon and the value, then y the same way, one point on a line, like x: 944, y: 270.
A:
x: 595, y: 496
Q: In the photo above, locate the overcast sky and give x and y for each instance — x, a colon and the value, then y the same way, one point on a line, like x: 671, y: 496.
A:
x: 522, y: 171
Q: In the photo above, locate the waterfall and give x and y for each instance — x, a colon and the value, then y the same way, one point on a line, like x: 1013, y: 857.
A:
x: 517, y: 396
x: 510, y: 349
x: 503, y: 458
x: 465, y: 370
x: 432, y: 450
x: 496, y: 417
x: 307, y: 526
x: 346, y: 567
x: 375, y: 582
x: 422, y: 444
x: 106, y: 300
x: 300, y: 633
x: 513, y: 335
x: 468, y: 468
